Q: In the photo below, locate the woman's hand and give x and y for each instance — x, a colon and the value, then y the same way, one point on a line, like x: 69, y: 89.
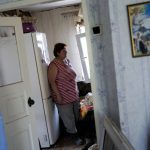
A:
x: 59, y: 98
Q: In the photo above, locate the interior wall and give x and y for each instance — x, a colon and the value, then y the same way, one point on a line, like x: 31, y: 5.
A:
x: 60, y: 28
x: 133, y: 78
x: 121, y: 81
x: 101, y: 63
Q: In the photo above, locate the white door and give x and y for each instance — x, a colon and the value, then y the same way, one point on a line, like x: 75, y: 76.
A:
x: 15, y: 104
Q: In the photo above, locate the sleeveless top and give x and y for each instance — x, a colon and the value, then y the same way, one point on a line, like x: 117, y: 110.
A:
x: 65, y: 81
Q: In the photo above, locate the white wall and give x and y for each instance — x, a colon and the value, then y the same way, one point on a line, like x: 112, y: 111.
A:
x: 101, y: 64
x: 122, y: 85
x: 132, y: 76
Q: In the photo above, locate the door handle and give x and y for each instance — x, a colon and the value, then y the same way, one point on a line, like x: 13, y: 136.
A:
x: 30, y: 102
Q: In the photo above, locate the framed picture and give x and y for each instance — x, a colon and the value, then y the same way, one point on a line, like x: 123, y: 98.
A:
x: 139, y: 25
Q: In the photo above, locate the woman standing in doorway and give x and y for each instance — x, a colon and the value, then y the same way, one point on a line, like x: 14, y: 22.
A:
x: 61, y: 78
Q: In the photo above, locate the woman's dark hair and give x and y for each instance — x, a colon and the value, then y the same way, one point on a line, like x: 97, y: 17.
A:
x: 58, y: 47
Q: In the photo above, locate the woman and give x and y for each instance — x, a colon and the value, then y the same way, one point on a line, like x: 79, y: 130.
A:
x: 61, y: 77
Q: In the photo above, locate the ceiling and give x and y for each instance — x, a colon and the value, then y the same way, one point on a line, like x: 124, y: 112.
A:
x: 51, y: 5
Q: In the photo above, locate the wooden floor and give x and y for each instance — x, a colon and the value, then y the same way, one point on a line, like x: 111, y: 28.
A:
x: 66, y: 143
x: 86, y: 129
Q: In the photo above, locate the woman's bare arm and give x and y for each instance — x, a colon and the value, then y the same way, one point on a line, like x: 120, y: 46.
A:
x: 52, y: 72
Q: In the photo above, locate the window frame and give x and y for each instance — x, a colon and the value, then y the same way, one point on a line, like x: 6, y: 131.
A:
x: 83, y: 62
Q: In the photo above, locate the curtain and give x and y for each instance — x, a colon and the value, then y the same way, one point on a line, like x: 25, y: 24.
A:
x: 60, y: 27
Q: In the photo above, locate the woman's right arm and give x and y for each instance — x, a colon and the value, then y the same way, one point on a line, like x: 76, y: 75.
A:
x: 52, y: 72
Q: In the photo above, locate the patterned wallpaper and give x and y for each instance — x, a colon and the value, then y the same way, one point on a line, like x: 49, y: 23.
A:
x: 122, y: 85
x: 132, y: 77
x: 102, y: 65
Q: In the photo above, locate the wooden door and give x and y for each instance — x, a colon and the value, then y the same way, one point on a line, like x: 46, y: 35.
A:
x: 15, y: 103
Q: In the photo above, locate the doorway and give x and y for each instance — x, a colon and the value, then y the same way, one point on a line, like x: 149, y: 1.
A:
x: 65, y: 31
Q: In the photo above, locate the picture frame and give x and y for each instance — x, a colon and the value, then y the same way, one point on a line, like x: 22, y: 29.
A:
x: 139, y: 27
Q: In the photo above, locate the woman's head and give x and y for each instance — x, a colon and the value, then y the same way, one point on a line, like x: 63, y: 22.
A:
x: 60, y: 50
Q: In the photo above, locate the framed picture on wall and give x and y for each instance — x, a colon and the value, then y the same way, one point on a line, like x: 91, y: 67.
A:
x: 139, y: 26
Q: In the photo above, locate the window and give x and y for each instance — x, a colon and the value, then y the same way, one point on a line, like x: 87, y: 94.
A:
x: 82, y: 45
x: 42, y: 45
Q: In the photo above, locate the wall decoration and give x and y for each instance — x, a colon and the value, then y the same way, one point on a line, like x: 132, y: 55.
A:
x: 139, y: 25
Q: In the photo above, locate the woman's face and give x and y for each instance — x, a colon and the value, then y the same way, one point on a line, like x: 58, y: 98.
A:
x: 63, y: 53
